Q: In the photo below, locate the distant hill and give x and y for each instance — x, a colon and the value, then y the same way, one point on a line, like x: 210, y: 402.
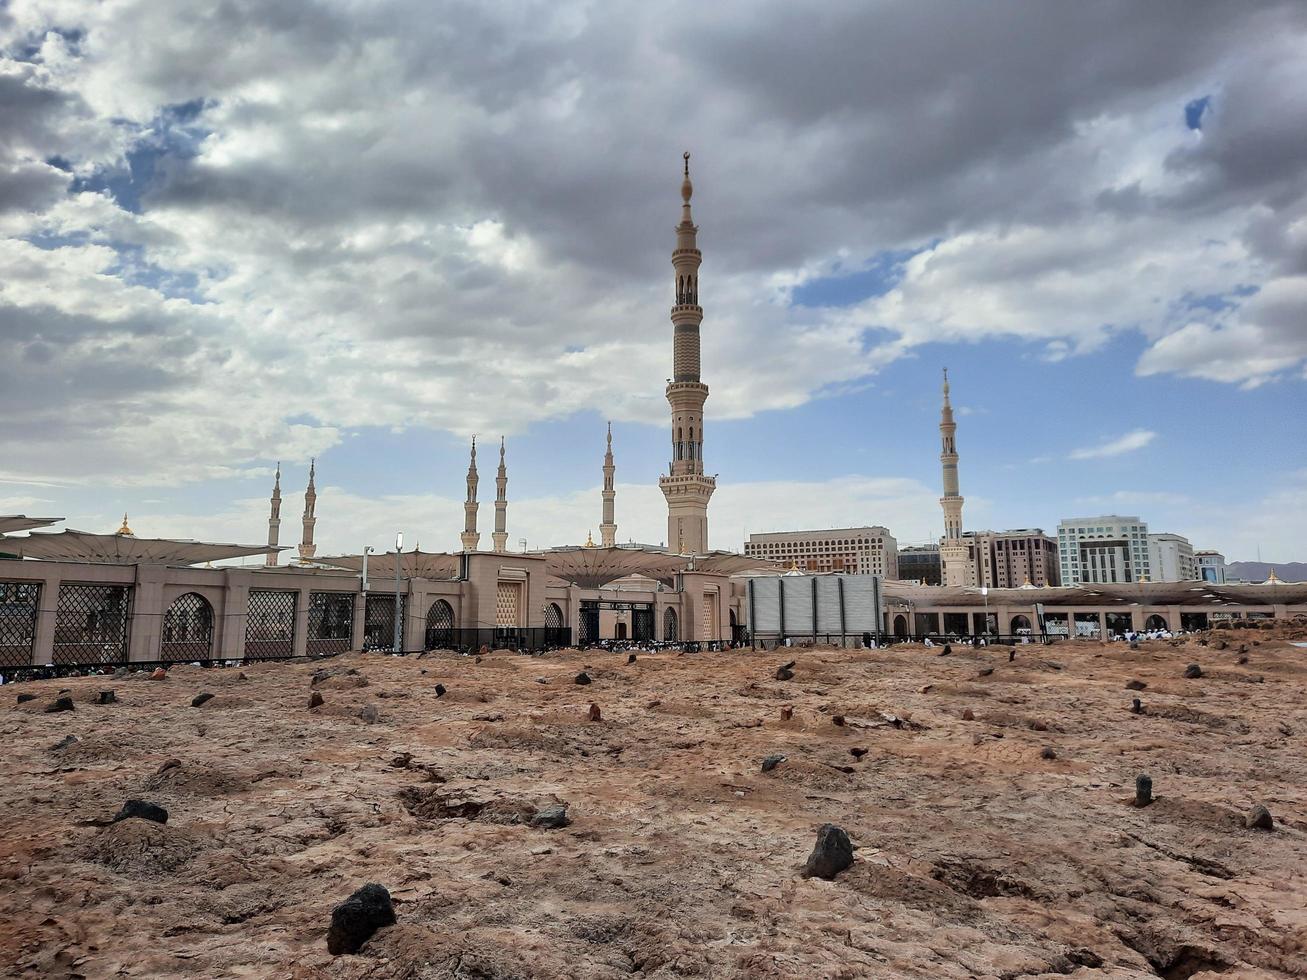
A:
x: 1257, y: 571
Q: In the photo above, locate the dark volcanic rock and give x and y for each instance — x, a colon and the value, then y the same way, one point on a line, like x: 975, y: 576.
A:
x: 64, y: 742
x: 200, y: 699
x: 551, y: 817
x: 60, y: 704
x: 24, y: 698
x: 595, y: 713
x: 583, y: 678
x: 354, y: 920
x: 142, y: 810
x: 771, y: 762
x: 108, y: 697
x: 1143, y: 790
x: 832, y: 854
x: 1048, y: 753
x: 630, y: 659
x: 440, y: 690
x: 1136, y: 706
x: 315, y: 700
x: 1135, y: 685
x: 785, y: 672
x: 1193, y: 672
x: 1259, y: 818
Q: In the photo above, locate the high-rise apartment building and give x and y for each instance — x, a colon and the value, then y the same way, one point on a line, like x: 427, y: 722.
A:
x: 920, y: 563
x: 1171, y: 558
x: 853, y: 550
x: 1011, y: 559
x: 1101, y: 550
x: 1211, y: 566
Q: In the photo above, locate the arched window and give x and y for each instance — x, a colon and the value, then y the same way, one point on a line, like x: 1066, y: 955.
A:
x: 440, y: 625
x: 671, y: 625
x: 187, y: 629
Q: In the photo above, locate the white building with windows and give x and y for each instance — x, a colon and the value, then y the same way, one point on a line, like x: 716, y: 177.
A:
x: 1211, y: 566
x: 1102, y: 550
x: 1171, y: 558
x: 851, y: 550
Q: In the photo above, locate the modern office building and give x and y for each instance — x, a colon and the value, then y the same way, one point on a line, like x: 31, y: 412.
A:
x: 852, y: 550
x: 920, y: 563
x: 1211, y: 566
x: 1101, y: 550
x: 1171, y: 558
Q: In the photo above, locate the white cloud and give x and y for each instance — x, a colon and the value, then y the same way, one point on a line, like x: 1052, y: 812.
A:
x: 1128, y: 443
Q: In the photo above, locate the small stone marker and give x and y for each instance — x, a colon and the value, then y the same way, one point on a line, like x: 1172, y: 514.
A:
x: 64, y: 742
x: 1143, y: 790
x: 142, y: 810
x: 771, y: 762
x: 370, y: 714
x: 440, y: 690
x: 1011, y: 655
x: 1136, y: 707
x: 838, y: 721
x: 201, y: 698
x: 1193, y: 672
x: 985, y: 671
x: 108, y: 697
x: 831, y: 855
x: 1048, y: 753
x: 551, y: 817
x: 787, y: 713
x: 857, y: 752
x: 354, y: 920
x: 968, y: 714
x: 583, y: 678
x: 60, y: 704
x: 948, y: 649
x: 315, y: 700
x: 785, y: 672
x: 595, y: 713
x: 159, y: 674
x: 1259, y: 818
x: 24, y: 698
x: 630, y: 659
x: 1135, y: 685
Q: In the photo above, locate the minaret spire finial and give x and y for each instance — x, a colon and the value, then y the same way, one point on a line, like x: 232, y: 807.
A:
x: 500, y: 535
x: 471, y: 536
x: 307, y: 548
x: 274, y: 519
x: 608, y: 526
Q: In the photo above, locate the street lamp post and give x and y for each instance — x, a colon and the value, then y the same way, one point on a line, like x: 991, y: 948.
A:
x: 984, y: 591
x: 366, y: 551
x: 399, y: 620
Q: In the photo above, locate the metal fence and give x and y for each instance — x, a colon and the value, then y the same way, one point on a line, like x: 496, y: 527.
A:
x: 270, y: 624
x: 881, y: 639
x: 331, y: 622
x: 525, y: 638
x: 18, y: 604
x: 91, y: 624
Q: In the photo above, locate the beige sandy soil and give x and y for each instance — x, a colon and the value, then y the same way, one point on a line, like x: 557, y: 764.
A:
x: 976, y: 855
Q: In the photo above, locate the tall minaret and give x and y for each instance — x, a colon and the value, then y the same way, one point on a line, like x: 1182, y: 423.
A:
x: 471, y: 536
x: 307, y: 547
x: 686, y: 487
x: 608, y: 527
x: 500, y: 535
x: 956, y: 566
x: 274, y: 520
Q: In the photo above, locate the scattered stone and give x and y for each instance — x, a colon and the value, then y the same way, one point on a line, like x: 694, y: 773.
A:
x: 401, y: 761
x: 948, y: 649
x: 771, y: 762
x: 968, y: 714
x: 60, y: 704
x: 202, y: 698
x: 142, y: 811
x: 241, y: 676
x: 24, y: 698
x: 168, y: 764
x: 1243, y: 659
x: 158, y: 674
x: 1038, y: 726
x: 1136, y: 706
x: 1219, y: 645
x: 551, y: 817
x: 985, y: 671
x: 857, y: 752
x: 925, y: 689
x: 120, y: 672
x: 787, y: 713
x: 595, y: 713
x: 831, y: 855
x: 1193, y: 672
x: 354, y: 920
x: 369, y: 714
x: 477, y: 660
x: 440, y: 690
x: 1048, y: 753
x: 542, y: 680
x: 1135, y: 685
x: 1259, y: 818
x: 315, y: 700
x: 64, y: 742
x: 583, y: 678
x: 838, y: 721
x: 1134, y: 643
x: 1243, y: 647
x: 1143, y: 790
x: 630, y: 659
x: 108, y: 697
x: 1011, y: 655
x: 785, y: 672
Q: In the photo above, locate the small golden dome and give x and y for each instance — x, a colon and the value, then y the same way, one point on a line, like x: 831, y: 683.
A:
x: 589, y: 540
x: 125, y: 530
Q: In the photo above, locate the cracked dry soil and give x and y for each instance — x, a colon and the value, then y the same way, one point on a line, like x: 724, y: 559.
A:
x: 977, y: 856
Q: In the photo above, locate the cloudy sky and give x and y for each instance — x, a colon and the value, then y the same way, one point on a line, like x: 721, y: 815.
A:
x: 239, y: 232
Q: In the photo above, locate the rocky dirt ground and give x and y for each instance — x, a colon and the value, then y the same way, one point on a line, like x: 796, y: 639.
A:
x: 978, y: 855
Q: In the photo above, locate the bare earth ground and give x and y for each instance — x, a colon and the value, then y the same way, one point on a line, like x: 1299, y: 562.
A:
x: 977, y: 856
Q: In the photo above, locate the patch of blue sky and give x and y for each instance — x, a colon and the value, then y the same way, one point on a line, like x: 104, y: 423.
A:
x: 849, y: 285
x: 1194, y: 111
